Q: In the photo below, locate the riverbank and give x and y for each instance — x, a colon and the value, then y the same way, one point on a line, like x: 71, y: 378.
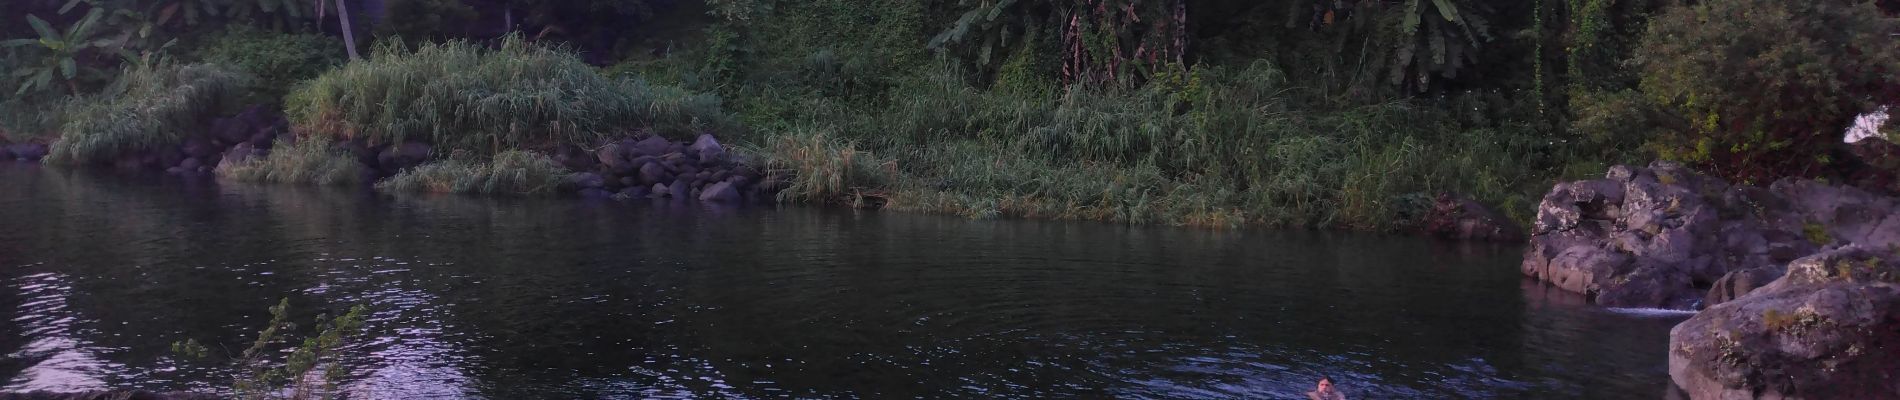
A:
x: 1208, y: 148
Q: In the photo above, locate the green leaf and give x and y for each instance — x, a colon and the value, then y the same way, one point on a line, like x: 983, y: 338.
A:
x: 84, y: 29
x: 1411, y: 17
x: 18, y: 42
x: 68, y: 68
x: 69, y: 6
x: 46, y: 31
x: 1445, y: 9
x: 44, y: 78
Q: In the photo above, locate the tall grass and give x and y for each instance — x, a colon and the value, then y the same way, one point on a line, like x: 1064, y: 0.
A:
x: 1208, y: 147
x: 151, y: 105
x: 315, y: 160
x: 459, y: 95
x: 512, y: 172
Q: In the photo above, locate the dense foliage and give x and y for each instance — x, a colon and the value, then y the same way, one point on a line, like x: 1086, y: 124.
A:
x: 1757, y: 89
x: 153, y: 105
x: 1307, y: 112
x: 459, y: 95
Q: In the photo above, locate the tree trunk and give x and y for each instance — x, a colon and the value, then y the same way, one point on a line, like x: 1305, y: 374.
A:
x: 349, y: 36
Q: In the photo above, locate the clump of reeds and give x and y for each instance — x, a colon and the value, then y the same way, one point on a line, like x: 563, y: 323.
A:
x: 151, y: 105
x: 511, y: 172
x: 463, y: 96
x: 315, y: 160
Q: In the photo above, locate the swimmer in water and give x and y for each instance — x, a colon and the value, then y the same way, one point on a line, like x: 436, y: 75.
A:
x: 1325, y: 390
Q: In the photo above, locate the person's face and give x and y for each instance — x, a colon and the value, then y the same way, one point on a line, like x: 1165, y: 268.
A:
x: 1325, y: 385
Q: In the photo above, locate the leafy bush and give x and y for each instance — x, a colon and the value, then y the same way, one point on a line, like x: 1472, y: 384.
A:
x: 314, y: 160
x: 261, y: 375
x: 512, y: 172
x: 153, y: 105
x: 278, y: 60
x: 1759, y: 89
x: 459, y: 95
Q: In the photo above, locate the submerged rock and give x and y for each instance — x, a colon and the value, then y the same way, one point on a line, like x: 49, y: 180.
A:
x: 1668, y: 237
x: 1828, y: 329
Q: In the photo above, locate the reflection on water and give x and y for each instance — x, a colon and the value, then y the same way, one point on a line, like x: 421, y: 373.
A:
x: 55, y: 356
x: 510, y: 298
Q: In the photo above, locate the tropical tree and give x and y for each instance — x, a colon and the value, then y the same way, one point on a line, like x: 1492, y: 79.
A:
x: 1099, y: 40
x: 59, y: 54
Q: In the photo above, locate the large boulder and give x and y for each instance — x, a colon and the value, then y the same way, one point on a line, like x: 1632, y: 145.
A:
x: 1828, y: 329
x: 652, y: 145
x: 404, y: 156
x: 1459, y: 218
x: 1667, y: 237
x: 721, y: 192
x: 708, y: 149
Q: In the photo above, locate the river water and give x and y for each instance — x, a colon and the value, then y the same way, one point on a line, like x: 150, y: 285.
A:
x: 560, y: 298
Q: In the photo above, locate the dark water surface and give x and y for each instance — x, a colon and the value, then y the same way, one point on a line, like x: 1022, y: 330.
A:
x: 512, y: 298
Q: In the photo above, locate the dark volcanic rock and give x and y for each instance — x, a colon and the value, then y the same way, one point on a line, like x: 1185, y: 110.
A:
x: 1828, y: 329
x: 652, y: 146
x: 721, y: 192
x: 1665, y: 236
x: 708, y: 149
x: 28, y: 151
x: 1456, y: 217
x: 588, y: 180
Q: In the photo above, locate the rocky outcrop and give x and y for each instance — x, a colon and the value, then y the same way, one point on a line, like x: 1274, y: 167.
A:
x: 1828, y: 329
x: 1667, y: 237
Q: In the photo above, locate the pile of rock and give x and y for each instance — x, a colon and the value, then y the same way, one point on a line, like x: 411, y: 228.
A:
x: 248, y: 134
x: 653, y: 167
x: 1667, y: 237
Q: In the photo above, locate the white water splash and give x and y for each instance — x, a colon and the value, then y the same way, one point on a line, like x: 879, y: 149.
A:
x: 1652, y: 312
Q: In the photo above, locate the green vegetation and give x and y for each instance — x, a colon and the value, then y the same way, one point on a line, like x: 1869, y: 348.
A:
x: 460, y: 96
x: 511, y: 172
x: 1206, y: 148
x: 278, y: 60
x: 314, y: 160
x: 1758, y: 89
x: 1816, y: 233
x: 1214, y: 113
x: 57, y: 55
x: 276, y: 366
x: 152, y: 105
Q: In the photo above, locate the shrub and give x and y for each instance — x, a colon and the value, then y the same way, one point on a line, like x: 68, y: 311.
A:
x: 1760, y: 89
x: 278, y: 60
x: 1200, y: 147
x: 827, y: 169
x: 459, y: 95
x: 314, y: 160
x: 512, y: 172
x: 152, y: 105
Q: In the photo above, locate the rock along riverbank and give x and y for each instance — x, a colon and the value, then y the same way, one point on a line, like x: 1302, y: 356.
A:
x: 1798, y: 283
